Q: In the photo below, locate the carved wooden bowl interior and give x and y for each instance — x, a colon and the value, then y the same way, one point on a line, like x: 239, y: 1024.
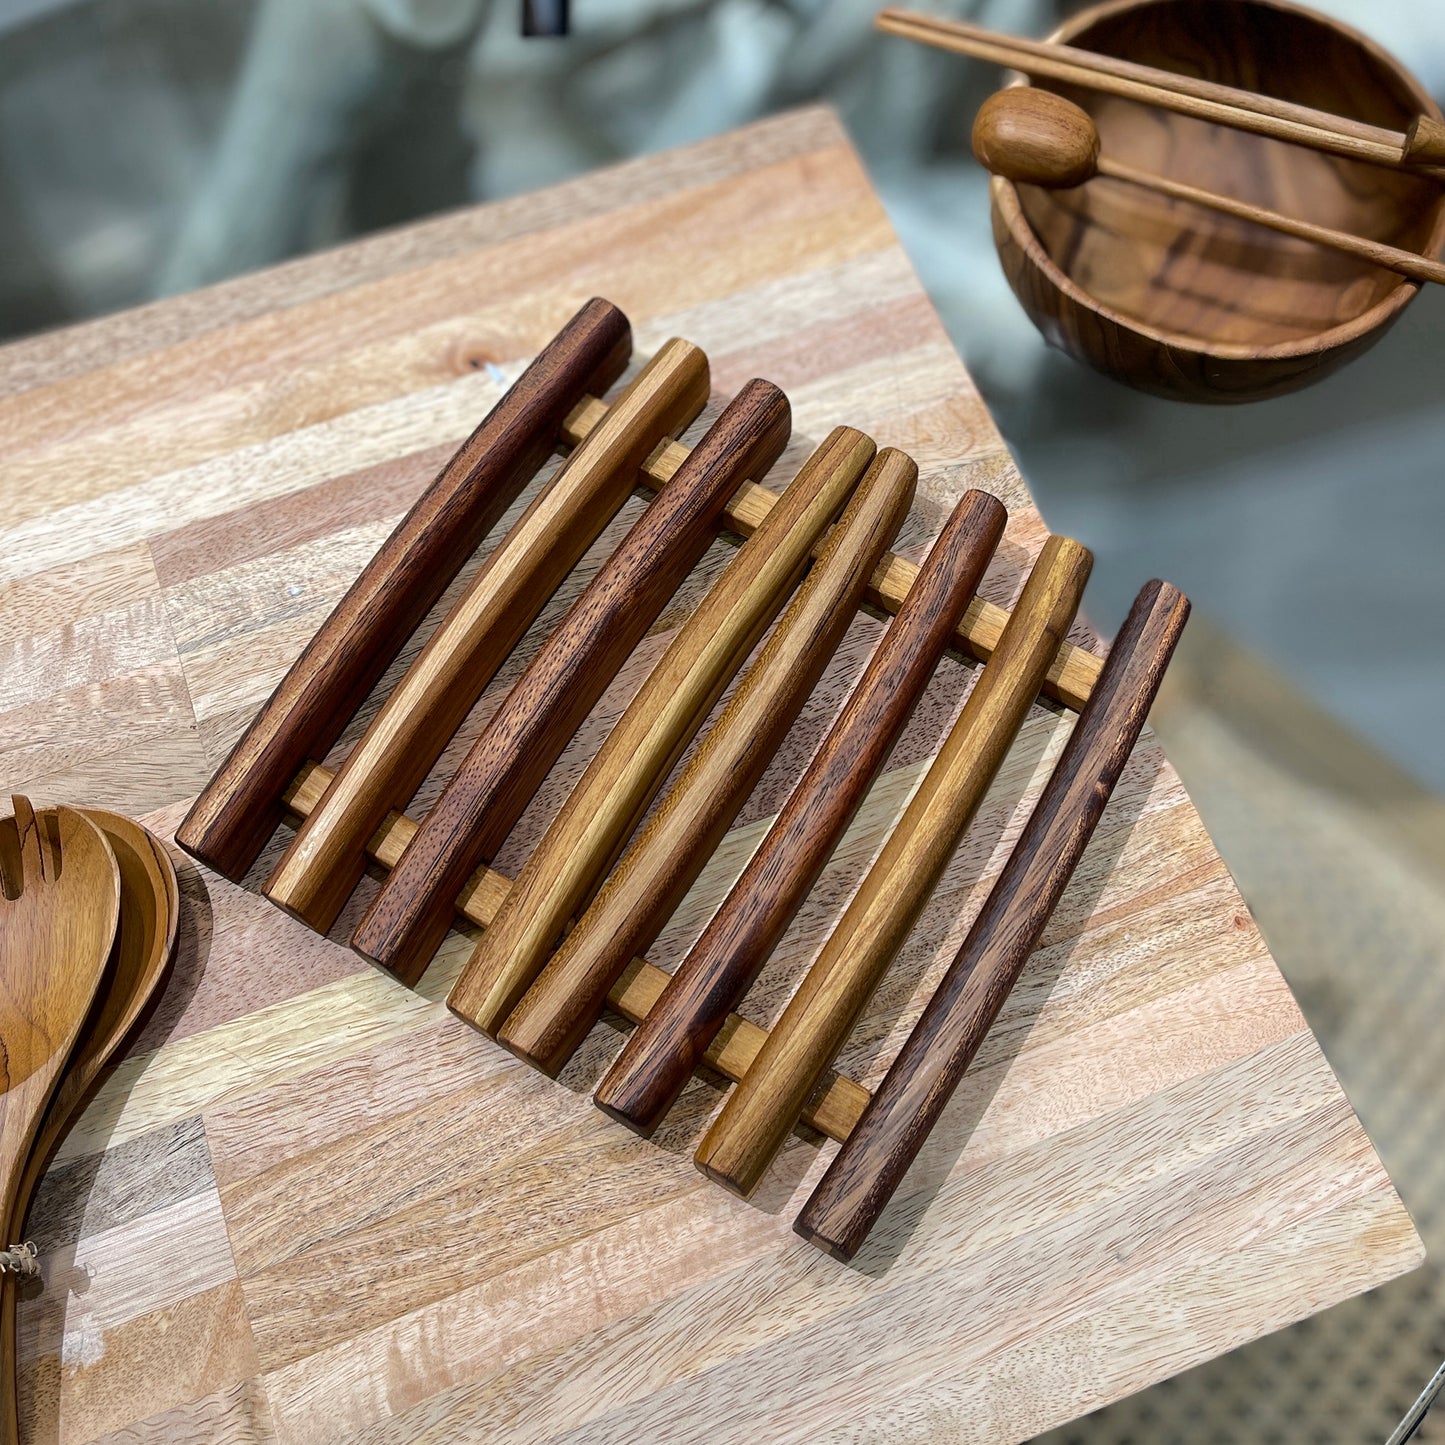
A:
x: 1184, y: 302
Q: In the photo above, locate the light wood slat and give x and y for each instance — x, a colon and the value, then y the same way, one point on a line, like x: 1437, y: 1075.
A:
x: 1071, y: 675
x: 833, y: 1110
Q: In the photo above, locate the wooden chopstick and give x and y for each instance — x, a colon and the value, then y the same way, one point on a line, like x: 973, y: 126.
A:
x: 760, y: 1113
x: 325, y: 860
x: 1418, y: 149
x: 506, y: 764
x: 871, y: 1163
x: 621, y: 781
x: 238, y: 810
x: 658, y: 1060
x: 666, y: 857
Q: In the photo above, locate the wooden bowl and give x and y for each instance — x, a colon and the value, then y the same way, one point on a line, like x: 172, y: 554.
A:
x: 1177, y: 300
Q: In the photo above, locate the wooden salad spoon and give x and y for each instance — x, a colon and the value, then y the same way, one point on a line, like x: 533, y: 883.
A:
x: 1037, y: 138
x: 57, y: 923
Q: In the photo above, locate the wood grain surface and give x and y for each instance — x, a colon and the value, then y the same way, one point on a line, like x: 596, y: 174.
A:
x: 501, y: 773
x: 311, y: 1205
x: 761, y: 1112
x: 659, y: 1059
x: 919, y: 1083
x: 239, y: 808
x: 603, y: 810
x: 642, y: 892
x: 317, y: 873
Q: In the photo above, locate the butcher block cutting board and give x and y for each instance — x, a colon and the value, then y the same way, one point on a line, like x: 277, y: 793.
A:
x: 312, y: 1205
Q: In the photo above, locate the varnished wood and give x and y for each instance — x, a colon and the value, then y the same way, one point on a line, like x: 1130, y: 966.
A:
x: 665, y: 859
x: 869, y: 1167
x: 1190, y: 95
x: 324, y: 862
x: 309, y: 1204
x: 659, y: 1058
x: 57, y: 923
x: 1034, y: 137
x: 237, y: 812
x: 835, y: 1106
x: 504, y: 767
x: 759, y: 1114
x: 1072, y: 672
x: 141, y: 958
x: 605, y: 807
x: 1184, y: 301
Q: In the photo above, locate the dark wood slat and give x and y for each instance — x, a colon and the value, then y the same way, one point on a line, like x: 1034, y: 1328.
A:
x: 239, y: 809
x: 504, y: 768
x: 871, y: 1163
x: 661, y: 1055
x: 666, y: 857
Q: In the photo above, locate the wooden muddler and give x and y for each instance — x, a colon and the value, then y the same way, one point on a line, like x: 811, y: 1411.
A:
x: 659, y: 1058
x: 871, y: 1163
x: 621, y: 781
x: 317, y: 873
x: 666, y: 857
x: 236, y: 813
x: 412, y: 910
x: 760, y: 1113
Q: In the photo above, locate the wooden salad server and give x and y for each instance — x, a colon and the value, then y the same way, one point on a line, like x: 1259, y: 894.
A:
x: 325, y: 860
x: 666, y: 857
x: 660, y: 1056
x: 140, y: 962
x: 760, y: 1113
x: 57, y: 923
x: 872, y: 1161
x: 605, y: 807
x: 412, y: 910
x: 239, y: 809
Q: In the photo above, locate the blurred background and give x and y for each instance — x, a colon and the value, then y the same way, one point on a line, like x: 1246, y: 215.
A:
x: 149, y: 147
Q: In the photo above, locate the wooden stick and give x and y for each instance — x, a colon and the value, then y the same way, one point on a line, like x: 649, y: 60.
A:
x: 759, y: 1114
x: 317, y: 873
x: 868, y: 1168
x: 659, y: 1058
x: 1392, y: 258
x: 506, y: 764
x: 1072, y: 672
x: 833, y: 1111
x: 239, y: 808
x: 619, y: 785
x: 640, y: 895
x: 1187, y: 95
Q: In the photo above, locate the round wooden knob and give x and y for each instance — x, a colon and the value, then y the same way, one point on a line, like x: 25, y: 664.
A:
x: 1036, y: 137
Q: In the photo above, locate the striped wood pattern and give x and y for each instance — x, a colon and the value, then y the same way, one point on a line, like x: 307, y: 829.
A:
x: 312, y: 1205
